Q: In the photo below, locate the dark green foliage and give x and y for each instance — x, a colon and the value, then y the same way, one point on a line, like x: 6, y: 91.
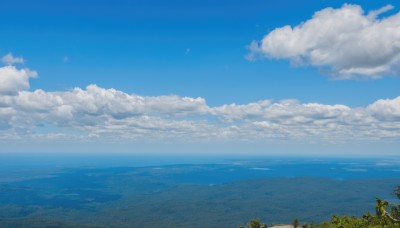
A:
x: 296, y: 223
x: 255, y: 223
x: 395, y: 211
x: 397, y: 192
x: 380, y: 207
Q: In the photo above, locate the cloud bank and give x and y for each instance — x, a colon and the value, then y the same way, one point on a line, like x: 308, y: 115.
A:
x: 95, y: 113
x: 346, y: 42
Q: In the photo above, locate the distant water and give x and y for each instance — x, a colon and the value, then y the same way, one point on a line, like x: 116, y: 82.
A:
x: 227, y: 168
x: 104, y: 160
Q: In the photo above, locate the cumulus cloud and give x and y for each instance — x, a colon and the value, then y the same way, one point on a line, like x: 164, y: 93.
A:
x: 13, y: 80
x: 9, y: 59
x: 387, y: 109
x: 95, y: 113
x: 346, y: 42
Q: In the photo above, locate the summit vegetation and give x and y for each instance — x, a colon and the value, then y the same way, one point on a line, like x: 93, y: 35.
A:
x: 386, y: 215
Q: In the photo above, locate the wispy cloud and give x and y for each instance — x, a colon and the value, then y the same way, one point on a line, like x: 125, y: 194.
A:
x: 9, y: 59
x: 187, y: 51
x: 346, y: 42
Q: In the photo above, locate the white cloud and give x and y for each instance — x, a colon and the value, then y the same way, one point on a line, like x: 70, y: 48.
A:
x: 96, y: 113
x: 375, y: 13
x: 387, y: 109
x: 13, y: 80
x: 346, y: 42
x: 9, y: 59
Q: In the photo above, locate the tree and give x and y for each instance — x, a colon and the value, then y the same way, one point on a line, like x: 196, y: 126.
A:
x: 382, y: 213
x: 367, y: 217
x: 295, y: 223
x: 380, y: 207
x: 254, y: 223
x: 397, y: 192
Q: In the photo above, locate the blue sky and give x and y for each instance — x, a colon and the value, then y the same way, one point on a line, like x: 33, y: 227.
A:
x: 189, y: 49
